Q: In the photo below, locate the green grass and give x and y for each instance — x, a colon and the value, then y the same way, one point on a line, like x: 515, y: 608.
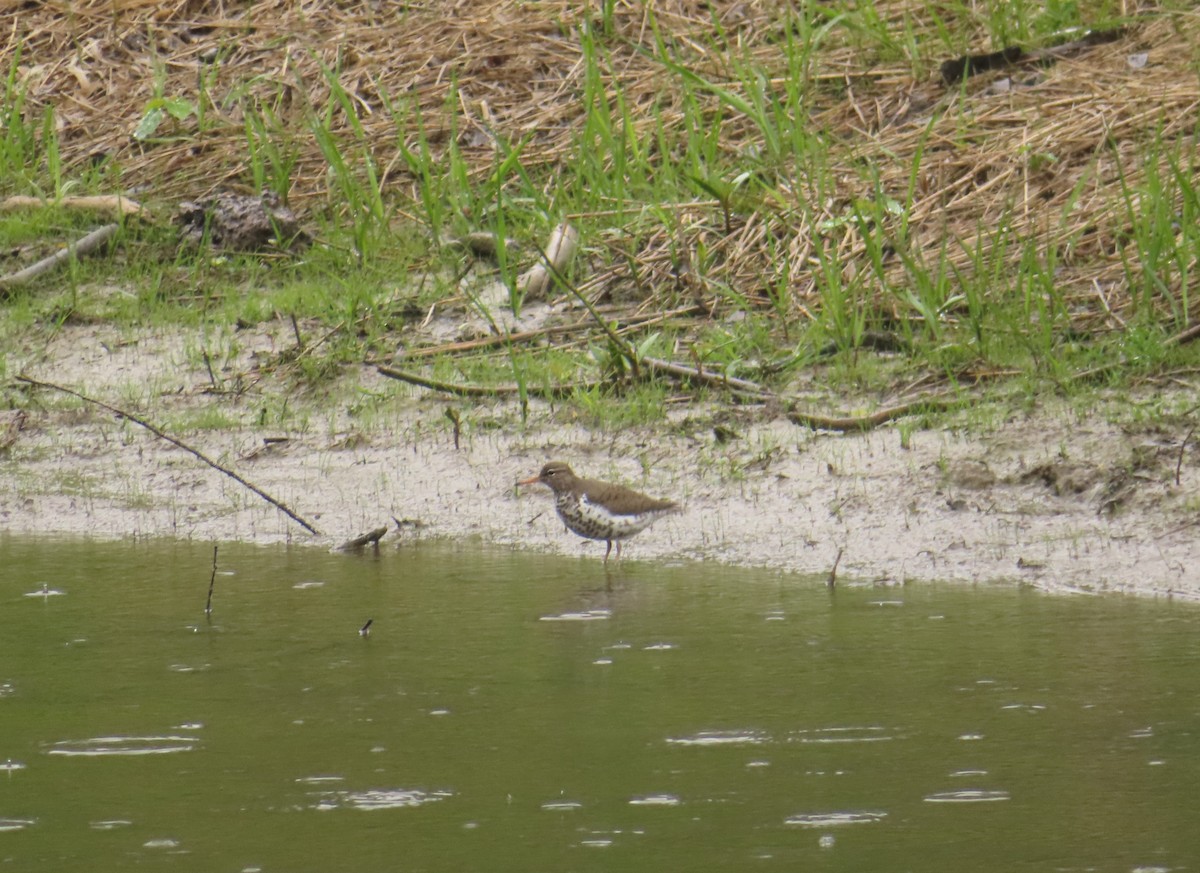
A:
x: 380, y: 259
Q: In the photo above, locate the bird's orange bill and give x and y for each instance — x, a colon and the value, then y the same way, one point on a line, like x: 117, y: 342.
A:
x: 532, y: 480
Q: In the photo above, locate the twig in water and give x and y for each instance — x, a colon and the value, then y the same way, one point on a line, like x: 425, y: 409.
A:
x: 832, y: 583
x: 371, y: 538
x: 365, y: 630
x: 176, y: 442
x: 212, y: 580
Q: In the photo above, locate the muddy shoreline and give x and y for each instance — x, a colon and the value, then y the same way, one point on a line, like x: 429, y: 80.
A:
x: 1044, y: 497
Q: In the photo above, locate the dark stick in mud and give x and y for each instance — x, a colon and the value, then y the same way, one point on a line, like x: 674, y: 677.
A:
x: 1183, y: 445
x: 548, y: 391
x: 452, y: 414
x: 176, y: 442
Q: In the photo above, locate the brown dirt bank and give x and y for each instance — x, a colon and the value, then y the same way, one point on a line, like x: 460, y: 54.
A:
x: 1044, y: 497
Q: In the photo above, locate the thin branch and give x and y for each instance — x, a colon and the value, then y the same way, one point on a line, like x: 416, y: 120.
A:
x: 832, y: 580
x: 212, y: 580
x: 175, y: 442
x: 1183, y: 445
x: 113, y: 203
x: 1185, y: 336
x: 371, y: 538
x: 627, y: 351
x: 521, y: 336
x: 506, y: 390
x: 694, y: 374
x: 867, y: 422
x: 89, y: 243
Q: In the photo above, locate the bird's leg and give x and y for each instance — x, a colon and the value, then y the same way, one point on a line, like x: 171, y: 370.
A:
x: 609, y: 549
x: 618, y: 551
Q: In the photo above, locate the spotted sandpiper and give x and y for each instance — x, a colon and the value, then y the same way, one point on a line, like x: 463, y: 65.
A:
x: 600, y: 510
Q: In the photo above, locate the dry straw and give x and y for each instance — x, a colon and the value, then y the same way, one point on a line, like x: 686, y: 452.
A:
x: 1046, y: 158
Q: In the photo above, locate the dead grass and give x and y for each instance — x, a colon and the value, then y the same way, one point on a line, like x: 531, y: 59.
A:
x: 1053, y: 161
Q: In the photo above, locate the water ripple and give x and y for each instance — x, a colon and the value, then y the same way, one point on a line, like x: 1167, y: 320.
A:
x: 721, y: 738
x: 561, y: 805
x: 46, y: 592
x: 655, y: 800
x: 970, y: 795
x: 319, y: 780
x: 589, y: 615
x: 15, y: 824
x: 830, y: 735
x: 161, y: 843
x: 831, y: 819
x: 379, y: 798
x: 101, y: 746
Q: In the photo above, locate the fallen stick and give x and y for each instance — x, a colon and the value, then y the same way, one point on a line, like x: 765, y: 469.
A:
x: 832, y: 581
x: 506, y: 390
x: 695, y: 374
x: 521, y: 336
x: 627, y: 351
x: 370, y: 538
x: 89, y: 243
x: 113, y: 203
x: 557, y: 255
x: 1185, y: 336
x: 212, y: 580
x: 851, y: 423
x: 176, y: 442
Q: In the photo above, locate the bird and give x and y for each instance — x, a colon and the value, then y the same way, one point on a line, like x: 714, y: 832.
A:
x: 600, y: 510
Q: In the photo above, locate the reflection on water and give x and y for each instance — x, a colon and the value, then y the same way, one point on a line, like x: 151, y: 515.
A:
x: 720, y: 738
x: 520, y: 712
x: 832, y: 819
x: 589, y: 615
x: 969, y: 795
x: 101, y: 746
x: 377, y: 798
x: 655, y: 800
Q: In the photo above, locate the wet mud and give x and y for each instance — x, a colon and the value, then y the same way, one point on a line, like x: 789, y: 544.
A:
x: 1044, y: 496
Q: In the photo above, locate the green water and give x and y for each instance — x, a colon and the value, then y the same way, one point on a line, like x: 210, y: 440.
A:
x: 514, y: 712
